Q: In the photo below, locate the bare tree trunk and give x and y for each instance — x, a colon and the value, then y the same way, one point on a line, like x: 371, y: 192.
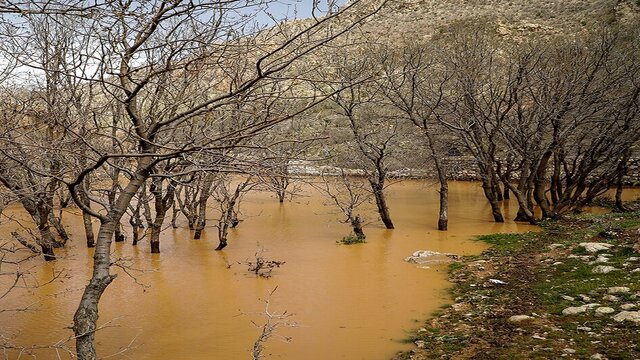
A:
x: 162, y: 205
x: 88, y: 230
x: 175, y: 211
x: 205, y: 193
x: 154, y: 239
x: 356, y: 223
x: 539, y: 189
x: 443, y: 219
x: 86, y: 316
x: 619, y: 204
x: 524, y: 211
x: 229, y: 217
x: 497, y: 190
x: 46, y: 242
x: 381, y: 202
x: 493, y: 202
x: 118, y: 235
x: 443, y: 214
x: 57, y: 224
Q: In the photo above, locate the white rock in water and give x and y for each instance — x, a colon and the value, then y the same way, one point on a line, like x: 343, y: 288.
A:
x: 618, y: 290
x: 574, y: 310
x: 519, y: 318
x: 633, y: 316
x: 604, y: 310
x: 602, y: 269
x: 628, y: 306
x: 427, y: 256
x: 593, y: 247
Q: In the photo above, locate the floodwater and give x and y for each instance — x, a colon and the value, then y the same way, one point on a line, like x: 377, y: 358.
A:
x: 191, y: 302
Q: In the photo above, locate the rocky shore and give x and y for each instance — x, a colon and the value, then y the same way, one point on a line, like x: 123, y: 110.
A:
x: 570, y: 291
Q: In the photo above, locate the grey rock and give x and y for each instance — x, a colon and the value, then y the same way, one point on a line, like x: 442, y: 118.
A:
x: 611, y: 298
x: 519, y: 318
x: 603, y: 310
x: 573, y: 310
x: 618, y: 290
x: 603, y: 269
x: 633, y: 316
x: 568, y: 298
x: 628, y: 306
x: 594, y: 247
x: 430, y: 257
x: 584, y: 297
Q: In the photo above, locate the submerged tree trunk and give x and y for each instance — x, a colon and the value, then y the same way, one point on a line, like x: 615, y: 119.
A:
x: 86, y: 316
x: 118, y: 235
x: 356, y: 224
x: 162, y: 204
x: 381, y: 203
x: 619, y: 204
x: 524, y: 212
x: 88, y: 230
x: 228, y: 217
x: 205, y: 193
x: 46, y: 242
x: 443, y: 219
x: 493, y: 201
x: 443, y: 213
x: 136, y: 223
x: 623, y: 169
x: 539, y: 187
x: 57, y: 224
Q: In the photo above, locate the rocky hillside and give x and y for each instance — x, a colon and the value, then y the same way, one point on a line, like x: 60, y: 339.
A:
x: 423, y: 18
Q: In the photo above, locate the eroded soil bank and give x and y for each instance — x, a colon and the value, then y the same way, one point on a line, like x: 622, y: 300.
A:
x: 571, y: 291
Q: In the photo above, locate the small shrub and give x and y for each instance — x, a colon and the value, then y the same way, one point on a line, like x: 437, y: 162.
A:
x: 351, y: 239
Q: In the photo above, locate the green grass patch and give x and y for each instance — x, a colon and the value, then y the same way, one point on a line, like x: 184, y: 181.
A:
x: 351, y: 239
x: 454, y: 266
x: 505, y: 243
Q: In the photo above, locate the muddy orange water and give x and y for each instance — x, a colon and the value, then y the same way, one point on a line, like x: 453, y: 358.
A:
x: 348, y: 302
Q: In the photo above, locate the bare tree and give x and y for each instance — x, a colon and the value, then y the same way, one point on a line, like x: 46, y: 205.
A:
x: 347, y: 194
x: 410, y: 86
